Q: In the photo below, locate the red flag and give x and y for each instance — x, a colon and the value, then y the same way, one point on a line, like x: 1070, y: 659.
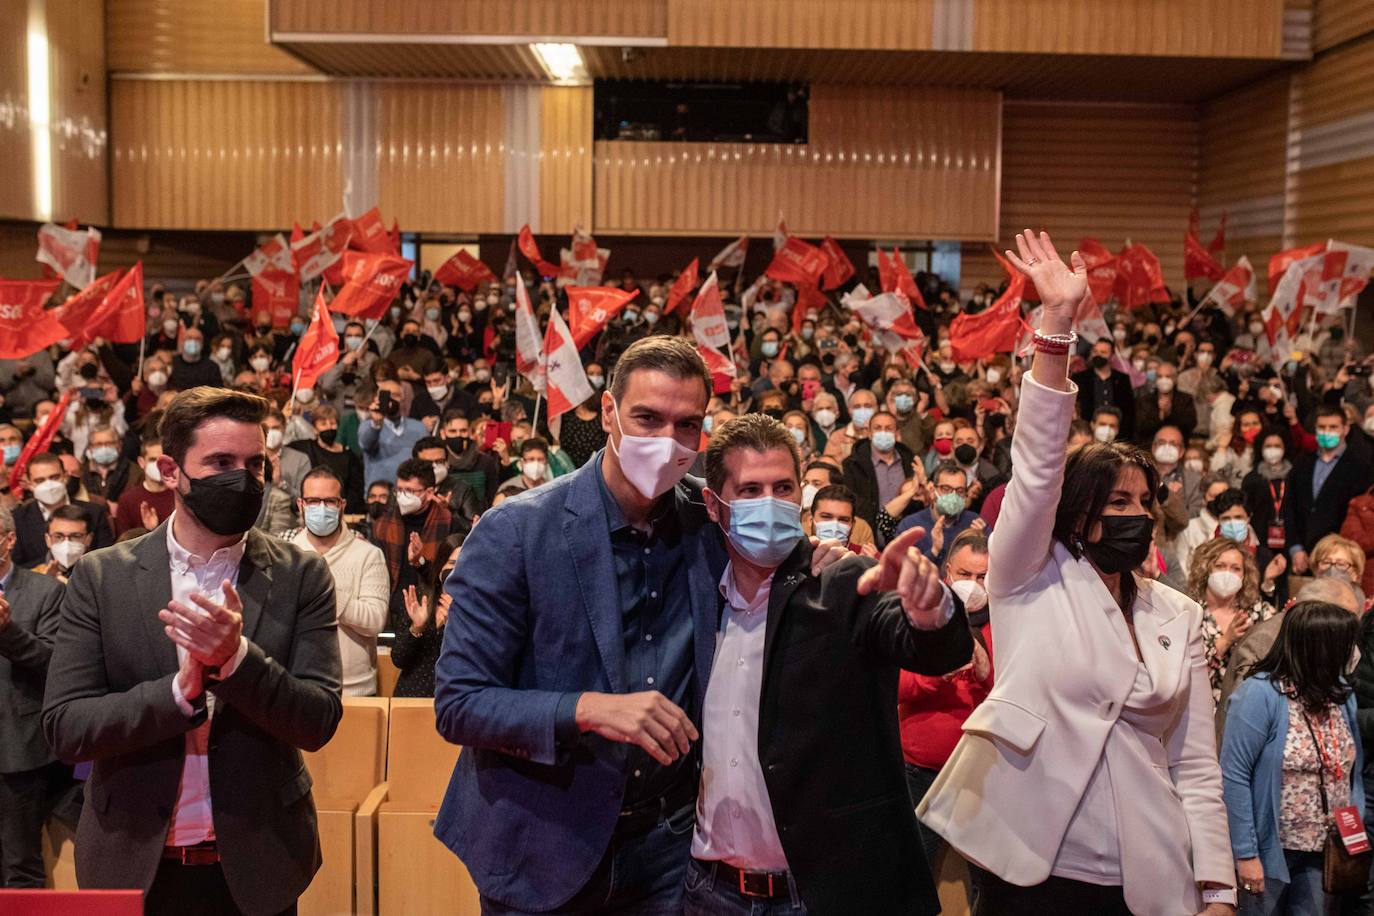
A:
x: 708, y: 315
x: 888, y: 316
x: 1101, y: 270
x: 122, y: 316
x: 798, y: 262
x: 839, y: 269
x: 39, y: 441
x: 682, y: 287
x: 277, y: 293
x: 1199, y: 262
x: 722, y: 368
x: 71, y: 253
x: 25, y: 326
x: 810, y: 301
x: 371, y: 281
x: 1278, y: 264
x: 275, y: 252
x: 296, y: 232
x: 731, y: 255
x: 318, y: 350
x: 590, y: 308
x: 322, y: 247
x: 1139, y: 278
x: 566, y: 383
x: 81, y: 312
x: 995, y: 330
x: 894, y: 277
x: 1234, y: 288
x: 464, y: 271
x: 1218, y: 243
x: 369, y: 233
x: 394, y: 237
x: 530, y: 249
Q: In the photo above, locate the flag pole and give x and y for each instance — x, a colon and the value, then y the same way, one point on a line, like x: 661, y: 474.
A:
x: 142, y: 344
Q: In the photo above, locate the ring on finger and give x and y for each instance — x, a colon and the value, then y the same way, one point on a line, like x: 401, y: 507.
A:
x: 1033, y: 261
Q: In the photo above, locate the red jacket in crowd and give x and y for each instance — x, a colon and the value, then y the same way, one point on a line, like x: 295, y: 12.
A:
x: 933, y: 709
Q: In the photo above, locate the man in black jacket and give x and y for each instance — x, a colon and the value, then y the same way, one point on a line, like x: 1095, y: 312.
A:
x: 47, y: 480
x: 1322, y: 486
x: 1102, y: 386
x: 803, y: 803
x: 877, y: 467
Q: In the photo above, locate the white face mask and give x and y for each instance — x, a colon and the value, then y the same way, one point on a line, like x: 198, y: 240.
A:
x: 974, y: 596
x: 437, y: 391
x: 157, y: 379
x: 408, y: 503
x: 652, y: 464
x: 1104, y: 433
x: 994, y: 376
x: 260, y: 363
x: 1165, y: 384
x: 1204, y: 359
x: 305, y: 395
x: 1273, y: 454
x: 1194, y: 464
x: 533, y: 469
x: 150, y: 471
x: 809, y: 492
x: 1166, y: 453
x: 274, y: 439
x: 440, y: 472
x: 50, y: 492
x: 223, y: 354
x: 1223, y: 583
x: 1368, y: 425
x: 66, y: 553
x: 825, y: 417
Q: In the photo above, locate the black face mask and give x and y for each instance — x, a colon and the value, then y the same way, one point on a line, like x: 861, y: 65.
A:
x: 1124, y: 545
x: 1100, y: 362
x: 348, y: 377
x: 376, y: 510
x: 226, y: 503
x: 966, y: 454
x: 89, y: 371
x: 774, y: 412
x: 410, y: 340
x: 327, y: 436
x: 457, y: 444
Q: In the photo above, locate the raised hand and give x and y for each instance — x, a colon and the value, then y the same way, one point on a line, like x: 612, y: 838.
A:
x: 904, y: 569
x: 417, y: 608
x: 1275, y: 568
x: 414, y: 549
x: 1062, y: 288
x: 441, y: 612
x: 147, y: 515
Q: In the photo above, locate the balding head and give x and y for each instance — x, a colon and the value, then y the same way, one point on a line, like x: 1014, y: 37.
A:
x: 1333, y: 591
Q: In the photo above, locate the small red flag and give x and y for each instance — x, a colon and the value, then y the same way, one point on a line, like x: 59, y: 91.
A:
x: 369, y: 233
x: 1139, y: 278
x: 319, y: 347
x: 722, y: 368
x: 708, y: 316
x: 810, y: 301
x: 464, y: 271
x: 1101, y: 269
x: 25, y: 326
x: 731, y: 255
x: 530, y: 249
x: 566, y: 383
x: 798, y: 262
x: 1278, y: 264
x: 840, y: 268
x: 277, y: 292
x: 81, y: 312
x: 682, y: 287
x: 394, y: 237
x: 371, y: 281
x: 590, y: 308
x: 994, y: 330
x: 122, y: 316
x: 39, y: 441
x: 322, y: 247
x: 1199, y: 262
x: 894, y: 277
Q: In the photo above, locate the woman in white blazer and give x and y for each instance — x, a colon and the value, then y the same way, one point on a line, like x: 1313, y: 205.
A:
x: 1087, y: 782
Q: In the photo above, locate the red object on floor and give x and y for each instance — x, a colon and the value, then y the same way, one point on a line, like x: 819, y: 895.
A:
x: 72, y: 903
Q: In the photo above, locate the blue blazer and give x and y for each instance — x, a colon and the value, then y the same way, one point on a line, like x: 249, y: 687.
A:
x: 1252, y: 770
x: 536, y: 617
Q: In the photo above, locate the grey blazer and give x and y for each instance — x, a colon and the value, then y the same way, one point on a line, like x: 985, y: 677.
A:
x: 109, y: 700
x: 25, y: 649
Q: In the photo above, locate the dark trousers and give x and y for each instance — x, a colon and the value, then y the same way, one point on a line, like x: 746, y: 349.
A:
x: 707, y: 896
x: 918, y: 783
x: 27, y: 800
x: 201, y: 889
x: 640, y: 874
x: 1055, y: 897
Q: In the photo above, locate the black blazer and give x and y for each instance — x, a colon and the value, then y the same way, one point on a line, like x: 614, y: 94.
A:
x: 25, y: 649
x: 30, y: 544
x: 109, y: 700
x: 1123, y: 398
x: 1307, y: 520
x: 1182, y: 413
x: 829, y: 742
x: 860, y: 477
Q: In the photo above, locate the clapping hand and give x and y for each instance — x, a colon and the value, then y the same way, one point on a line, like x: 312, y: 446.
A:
x: 147, y: 515
x: 415, y: 550
x: 210, y: 631
x: 417, y: 608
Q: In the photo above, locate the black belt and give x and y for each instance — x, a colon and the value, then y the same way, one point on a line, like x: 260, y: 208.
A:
x: 769, y: 884
x: 640, y: 817
x: 206, y: 853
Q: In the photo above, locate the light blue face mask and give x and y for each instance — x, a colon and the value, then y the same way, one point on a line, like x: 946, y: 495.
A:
x: 830, y: 529
x: 769, y: 348
x: 12, y: 453
x: 104, y: 454
x: 765, y: 529
x: 862, y: 415
x: 1235, y: 529
x: 706, y: 424
x: 191, y: 348
x: 903, y: 402
x: 950, y: 505
x: 322, y: 521
x: 884, y: 440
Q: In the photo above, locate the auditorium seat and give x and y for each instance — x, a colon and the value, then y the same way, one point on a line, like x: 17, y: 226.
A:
x: 416, y: 874
x: 59, y: 856
x: 345, y: 772
x: 387, y: 673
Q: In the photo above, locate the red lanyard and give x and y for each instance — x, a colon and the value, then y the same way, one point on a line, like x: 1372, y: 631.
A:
x: 1330, y: 761
x: 1277, y: 497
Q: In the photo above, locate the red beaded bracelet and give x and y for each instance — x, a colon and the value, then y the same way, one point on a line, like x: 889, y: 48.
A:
x: 1054, y: 344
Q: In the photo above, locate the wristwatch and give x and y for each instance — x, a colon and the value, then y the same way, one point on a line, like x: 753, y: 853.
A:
x: 1225, y: 895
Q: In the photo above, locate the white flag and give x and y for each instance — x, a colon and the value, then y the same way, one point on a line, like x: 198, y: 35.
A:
x: 70, y: 252
x: 529, y: 346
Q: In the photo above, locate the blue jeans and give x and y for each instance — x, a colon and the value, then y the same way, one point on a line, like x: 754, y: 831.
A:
x: 708, y: 897
x: 640, y: 874
x: 1301, y: 896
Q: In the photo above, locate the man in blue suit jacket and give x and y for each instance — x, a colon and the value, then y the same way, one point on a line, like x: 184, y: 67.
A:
x: 574, y: 662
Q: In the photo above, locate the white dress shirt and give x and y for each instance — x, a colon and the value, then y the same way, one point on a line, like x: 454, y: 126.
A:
x: 192, y: 817
x: 734, y: 815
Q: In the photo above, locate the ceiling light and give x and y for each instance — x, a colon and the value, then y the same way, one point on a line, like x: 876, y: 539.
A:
x: 562, y: 62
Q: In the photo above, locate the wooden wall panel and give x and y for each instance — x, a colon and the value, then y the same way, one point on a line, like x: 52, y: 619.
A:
x: 628, y: 18
x: 1186, y: 28
x: 1243, y: 144
x: 565, y: 163
x: 76, y: 66
x: 442, y: 156
x: 16, y: 164
x: 203, y: 36
x: 179, y: 165
x: 1336, y: 21
x: 881, y: 163
x: 869, y: 24
x: 1112, y: 172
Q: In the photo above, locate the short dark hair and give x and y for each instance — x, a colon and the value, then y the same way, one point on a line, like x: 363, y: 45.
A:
x: 1110, y: 410
x: 1330, y: 410
x: 321, y: 471
x: 415, y: 469
x: 967, y: 539
x: 835, y: 473
x: 387, y: 485
x: 1310, y: 654
x: 194, y: 407
x: 454, y: 413
x: 324, y: 412
x: 533, y: 443
x: 1226, y: 500
x: 45, y: 458
x: 71, y: 514
x: 426, y: 442
x: 836, y: 492
x: 947, y: 466
x: 754, y: 431
x: 673, y: 356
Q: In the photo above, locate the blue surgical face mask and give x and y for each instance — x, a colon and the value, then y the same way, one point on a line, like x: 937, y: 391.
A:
x: 1328, y: 440
x: 321, y: 521
x: 950, y: 505
x: 1235, y: 529
x: 862, y: 415
x: 830, y: 529
x: 706, y: 423
x: 884, y: 440
x: 432, y: 314
x: 808, y: 332
x: 12, y: 453
x: 764, y: 530
x: 903, y: 402
x: 298, y: 328
x: 353, y: 343
x: 104, y: 454
x: 1151, y: 375
x: 191, y: 348
x: 798, y: 434
x: 769, y: 348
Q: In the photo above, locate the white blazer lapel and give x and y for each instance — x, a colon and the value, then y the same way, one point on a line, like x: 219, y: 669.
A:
x: 1162, y: 631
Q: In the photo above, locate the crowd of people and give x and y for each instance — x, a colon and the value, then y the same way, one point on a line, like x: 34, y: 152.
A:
x: 1253, y: 469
